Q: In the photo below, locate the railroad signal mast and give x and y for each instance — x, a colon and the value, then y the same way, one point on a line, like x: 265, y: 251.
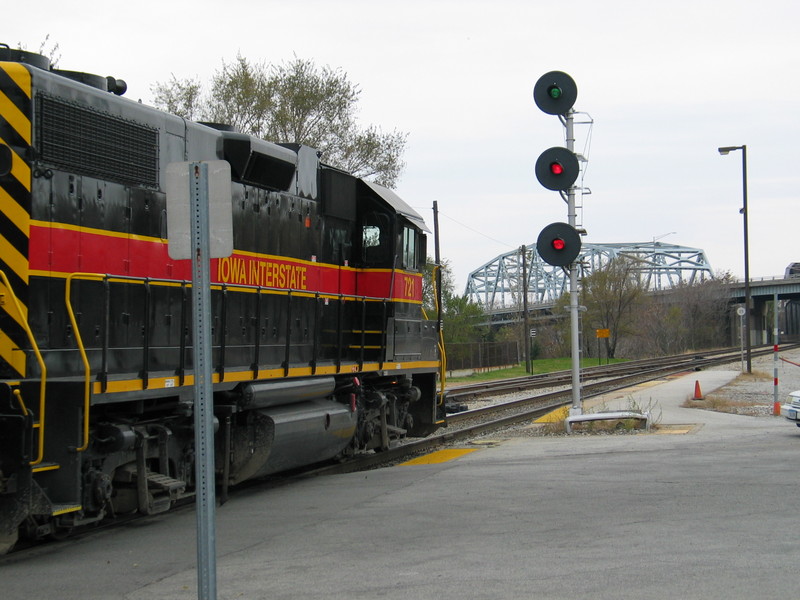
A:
x: 557, y: 169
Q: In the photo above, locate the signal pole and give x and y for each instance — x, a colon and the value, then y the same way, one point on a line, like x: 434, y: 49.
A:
x: 574, y: 315
x: 557, y: 169
x: 525, y: 319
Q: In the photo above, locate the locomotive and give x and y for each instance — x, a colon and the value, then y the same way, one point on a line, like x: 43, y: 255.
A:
x: 321, y: 347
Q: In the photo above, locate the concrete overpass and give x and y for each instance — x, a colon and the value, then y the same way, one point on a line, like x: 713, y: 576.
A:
x: 763, y: 292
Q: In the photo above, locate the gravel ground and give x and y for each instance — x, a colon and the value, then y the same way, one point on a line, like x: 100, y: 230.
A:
x: 748, y: 394
x: 753, y: 394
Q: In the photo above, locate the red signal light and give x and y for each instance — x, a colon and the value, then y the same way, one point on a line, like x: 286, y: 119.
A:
x: 556, y: 168
x: 558, y: 244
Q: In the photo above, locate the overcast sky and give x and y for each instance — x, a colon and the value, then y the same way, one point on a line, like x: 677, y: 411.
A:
x: 666, y: 84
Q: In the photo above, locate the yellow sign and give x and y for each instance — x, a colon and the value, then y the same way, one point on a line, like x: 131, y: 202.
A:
x: 603, y: 333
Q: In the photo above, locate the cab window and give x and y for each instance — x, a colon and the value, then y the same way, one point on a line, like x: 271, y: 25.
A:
x: 375, y: 236
x: 409, y: 248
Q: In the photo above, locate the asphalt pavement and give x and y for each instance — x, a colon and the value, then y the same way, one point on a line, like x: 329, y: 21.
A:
x: 699, y: 508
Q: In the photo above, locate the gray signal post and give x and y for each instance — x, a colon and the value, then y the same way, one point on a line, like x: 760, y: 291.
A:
x: 194, y: 200
x: 572, y: 214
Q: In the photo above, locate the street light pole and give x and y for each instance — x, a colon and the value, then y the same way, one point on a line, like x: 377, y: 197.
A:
x: 725, y: 150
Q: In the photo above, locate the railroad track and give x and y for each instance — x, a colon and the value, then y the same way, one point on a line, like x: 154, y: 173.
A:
x: 476, y: 391
x: 494, y: 417
x: 472, y: 423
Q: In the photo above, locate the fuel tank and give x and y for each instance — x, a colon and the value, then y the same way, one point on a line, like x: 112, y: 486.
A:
x: 286, y: 437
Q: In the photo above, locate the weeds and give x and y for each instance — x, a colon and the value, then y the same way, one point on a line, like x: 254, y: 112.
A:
x: 554, y: 423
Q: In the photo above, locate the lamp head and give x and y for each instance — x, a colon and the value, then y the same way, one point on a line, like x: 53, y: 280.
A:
x: 726, y: 149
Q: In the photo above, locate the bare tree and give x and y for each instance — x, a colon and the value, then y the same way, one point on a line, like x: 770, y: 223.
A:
x: 610, y: 295
x: 295, y: 102
x: 180, y: 97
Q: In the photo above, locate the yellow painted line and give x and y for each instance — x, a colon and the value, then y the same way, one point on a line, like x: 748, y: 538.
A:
x: 65, y: 510
x: 440, y: 456
x: 172, y: 381
x: 50, y: 467
x: 555, y: 416
x: 95, y: 231
x: 673, y: 429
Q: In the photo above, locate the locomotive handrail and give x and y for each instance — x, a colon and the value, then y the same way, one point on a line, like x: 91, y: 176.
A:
x: 18, y: 395
x: 23, y: 321
x: 106, y: 278
x: 87, y: 384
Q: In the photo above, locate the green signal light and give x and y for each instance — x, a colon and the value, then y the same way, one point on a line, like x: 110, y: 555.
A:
x: 554, y: 92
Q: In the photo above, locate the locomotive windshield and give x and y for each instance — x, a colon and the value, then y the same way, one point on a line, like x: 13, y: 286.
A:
x: 409, y: 249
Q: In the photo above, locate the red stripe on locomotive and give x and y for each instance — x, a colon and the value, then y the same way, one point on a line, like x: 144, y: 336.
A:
x: 69, y: 250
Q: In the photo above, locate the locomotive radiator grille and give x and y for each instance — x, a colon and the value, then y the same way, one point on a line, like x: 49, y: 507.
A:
x: 85, y: 140
x: 15, y: 205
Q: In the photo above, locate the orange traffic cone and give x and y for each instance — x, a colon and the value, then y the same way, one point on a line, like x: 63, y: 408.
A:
x: 698, y: 395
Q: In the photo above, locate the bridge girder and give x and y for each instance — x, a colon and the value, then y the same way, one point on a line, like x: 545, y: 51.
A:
x: 498, y: 285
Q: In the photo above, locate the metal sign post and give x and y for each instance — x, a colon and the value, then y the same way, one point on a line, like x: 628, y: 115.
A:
x: 741, y: 312
x: 203, y: 391
x: 204, y: 200
x: 776, y: 405
x: 602, y: 334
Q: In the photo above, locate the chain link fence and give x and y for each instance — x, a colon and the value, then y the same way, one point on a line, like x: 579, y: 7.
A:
x: 482, y: 355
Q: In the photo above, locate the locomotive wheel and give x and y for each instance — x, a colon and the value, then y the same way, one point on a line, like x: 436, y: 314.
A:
x: 7, y: 541
x: 58, y: 533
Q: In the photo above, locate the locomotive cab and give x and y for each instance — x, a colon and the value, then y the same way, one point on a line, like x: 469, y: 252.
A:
x: 392, y: 233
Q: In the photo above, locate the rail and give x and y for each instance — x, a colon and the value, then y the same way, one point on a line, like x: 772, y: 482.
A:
x: 22, y: 321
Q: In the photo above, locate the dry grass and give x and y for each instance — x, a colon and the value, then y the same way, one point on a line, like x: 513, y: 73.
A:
x: 554, y: 422
x: 721, y: 402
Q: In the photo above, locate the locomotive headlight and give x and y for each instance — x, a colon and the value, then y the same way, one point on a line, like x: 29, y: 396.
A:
x: 6, y: 157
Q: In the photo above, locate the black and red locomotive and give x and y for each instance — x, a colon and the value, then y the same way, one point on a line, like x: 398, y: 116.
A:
x: 320, y: 344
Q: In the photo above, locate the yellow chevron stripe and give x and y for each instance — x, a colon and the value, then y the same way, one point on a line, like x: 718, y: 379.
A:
x: 14, y: 259
x: 15, y: 213
x: 15, y: 117
x: 20, y: 75
x: 11, y: 353
x: 21, y: 170
x: 5, y: 300
x: 10, y: 207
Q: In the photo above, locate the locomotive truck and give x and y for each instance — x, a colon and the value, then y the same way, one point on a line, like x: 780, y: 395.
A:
x: 321, y: 348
